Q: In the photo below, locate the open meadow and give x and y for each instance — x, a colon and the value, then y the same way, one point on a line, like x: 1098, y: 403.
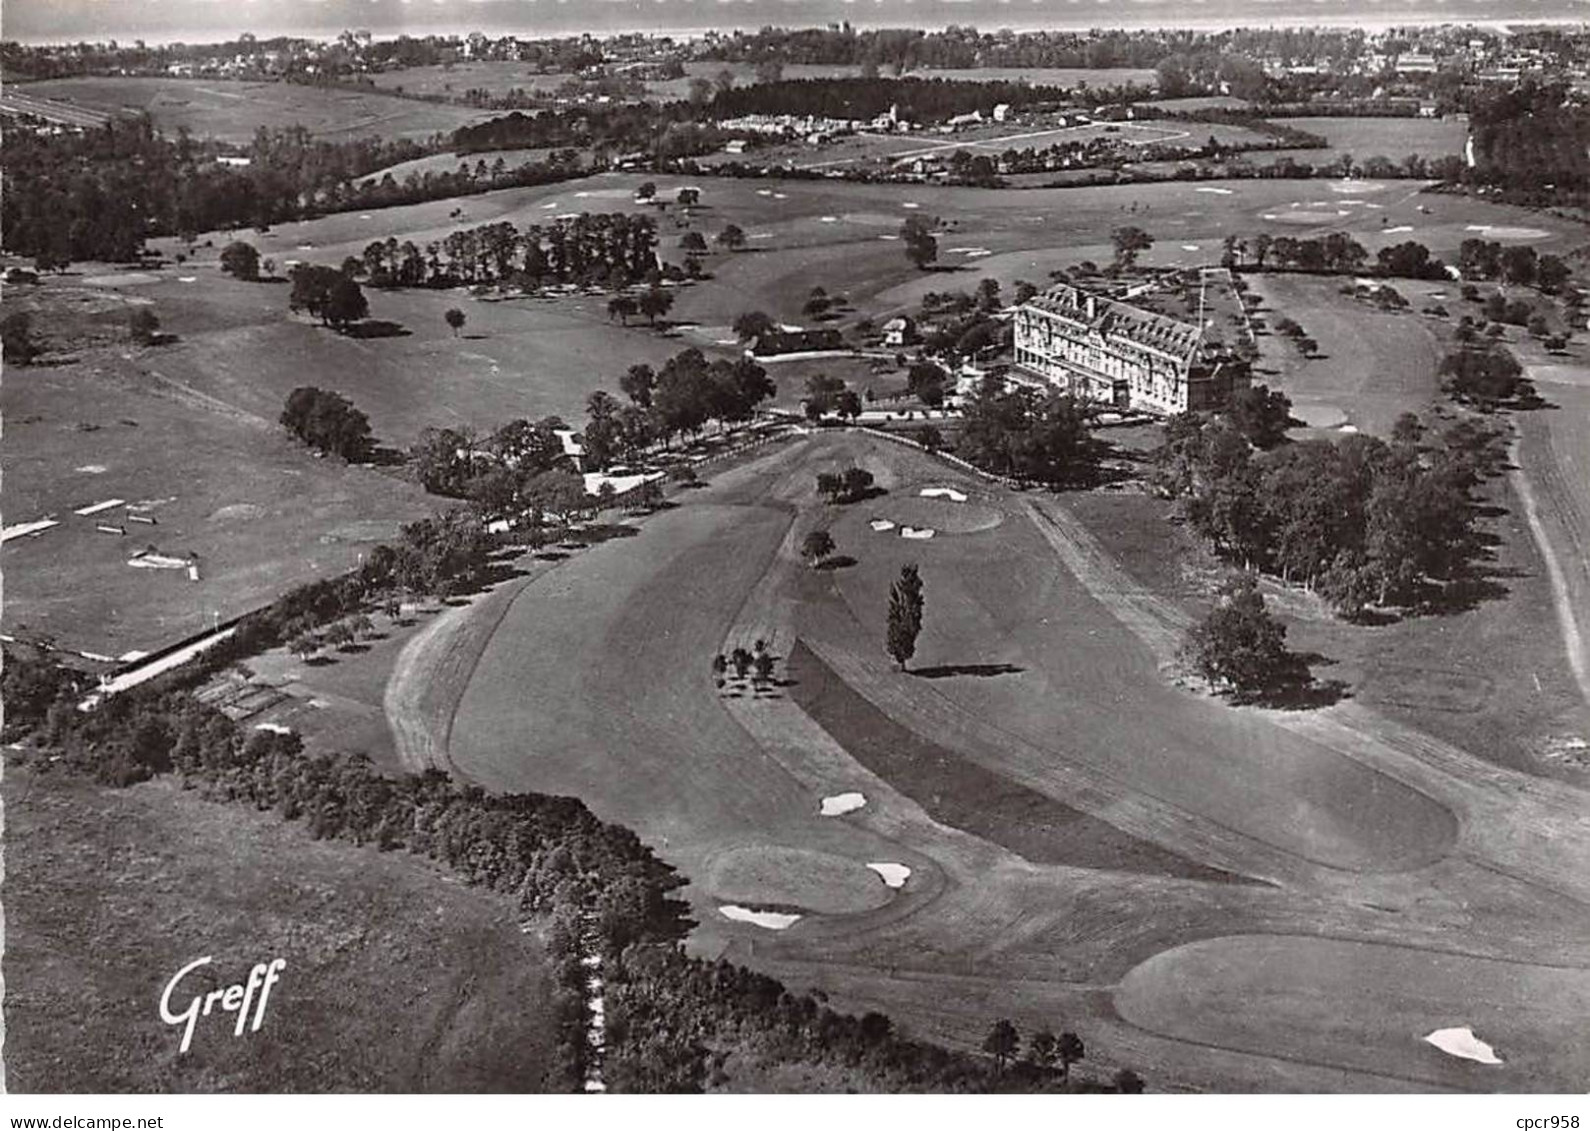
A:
x: 1395, y: 138
x: 232, y: 110
x: 104, y: 906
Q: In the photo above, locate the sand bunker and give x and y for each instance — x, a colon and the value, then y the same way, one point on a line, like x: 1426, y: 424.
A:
x: 1215, y: 191
x: 1345, y: 187
x: 1350, y: 429
x: 894, y: 875
x: 943, y: 493
x: 909, y: 204
x: 1189, y: 247
x: 1463, y: 1043
x: 157, y: 561
x: 830, y: 219
x: 1398, y: 229
x: 764, y: 192
x: 237, y: 511
x: 881, y: 524
x: 772, y: 920
x: 97, y: 507
x: 888, y: 237
x: 841, y: 803
x: 27, y: 529
x: 126, y: 279
x: 92, y: 469
x: 1503, y: 232
x: 187, y: 278
x: 920, y: 533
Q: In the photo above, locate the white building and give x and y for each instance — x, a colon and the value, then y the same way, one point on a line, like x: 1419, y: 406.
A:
x: 1122, y: 355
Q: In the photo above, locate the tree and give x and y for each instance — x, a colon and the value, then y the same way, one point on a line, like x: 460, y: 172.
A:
x: 693, y: 241
x: 1070, y: 1050
x: 905, y: 622
x: 689, y: 197
x: 1128, y: 1083
x: 638, y: 383
x: 1042, y: 1049
x: 1240, y: 645
x: 144, y: 324
x: 741, y: 660
x: 1002, y: 1042
x: 654, y: 302
x: 16, y: 338
x: 921, y: 247
x: 1128, y: 241
x: 731, y: 237
x: 622, y: 307
x: 763, y: 666
x: 454, y: 319
x: 327, y: 421
x: 816, y: 546
x: 241, y: 260
x: 1261, y: 415
x: 751, y: 325
x: 345, y: 303
x: 646, y: 191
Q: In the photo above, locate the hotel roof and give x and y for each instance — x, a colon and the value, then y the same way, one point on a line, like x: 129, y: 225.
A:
x: 1119, y: 320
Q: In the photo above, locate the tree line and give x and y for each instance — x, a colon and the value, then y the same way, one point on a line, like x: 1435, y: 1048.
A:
x: 1361, y: 521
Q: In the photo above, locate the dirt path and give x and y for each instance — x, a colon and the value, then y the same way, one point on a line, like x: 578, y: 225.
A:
x: 1551, y: 474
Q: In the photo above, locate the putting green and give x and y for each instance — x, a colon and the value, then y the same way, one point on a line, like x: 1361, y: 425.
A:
x: 773, y: 876
x: 1367, y: 1007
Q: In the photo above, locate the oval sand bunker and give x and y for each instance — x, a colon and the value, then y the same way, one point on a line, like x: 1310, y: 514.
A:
x: 841, y: 803
x: 772, y: 920
x: 916, y: 532
x: 894, y: 875
x: 941, y: 513
x: 1463, y: 1043
x: 949, y: 493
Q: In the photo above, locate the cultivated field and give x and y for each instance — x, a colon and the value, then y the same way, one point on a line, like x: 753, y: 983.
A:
x: 104, y: 905
x: 231, y: 111
x: 1065, y: 813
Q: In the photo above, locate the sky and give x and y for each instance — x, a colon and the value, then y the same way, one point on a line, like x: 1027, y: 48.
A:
x: 37, y: 21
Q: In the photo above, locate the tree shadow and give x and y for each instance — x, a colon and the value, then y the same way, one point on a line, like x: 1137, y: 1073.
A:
x: 838, y: 561
x: 319, y: 662
x: 983, y: 671
x: 377, y: 328
x: 473, y: 337
x: 354, y: 649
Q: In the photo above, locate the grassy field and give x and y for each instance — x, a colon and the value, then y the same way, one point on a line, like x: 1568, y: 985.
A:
x: 231, y: 111
x: 398, y: 978
x: 104, y: 420
x: 1039, y: 909
x: 1395, y: 138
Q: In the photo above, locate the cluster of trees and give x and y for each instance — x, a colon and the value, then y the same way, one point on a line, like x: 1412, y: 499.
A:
x: 1513, y: 263
x: 1361, y: 521
x: 1485, y: 374
x: 916, y: 100
x: 921, y: 246
x: 519, y: 471
x: 1534, y: 140
x: 328, y: 294
x: 1241, y: 648
x: 680, y: 398
x: 98, y: 194
x: 614, y: 249
x: 848, y: 485
x: 1027, y: 435
x: 825, y: 394
x: 328, y: 422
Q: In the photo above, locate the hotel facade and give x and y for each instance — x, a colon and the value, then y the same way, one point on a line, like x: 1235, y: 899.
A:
x: 1118, y: 354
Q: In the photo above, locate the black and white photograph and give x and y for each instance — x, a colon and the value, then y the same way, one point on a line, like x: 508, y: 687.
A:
x: 796, y: 547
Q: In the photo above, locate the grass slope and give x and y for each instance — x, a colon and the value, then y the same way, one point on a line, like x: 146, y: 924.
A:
x: 398, y: 978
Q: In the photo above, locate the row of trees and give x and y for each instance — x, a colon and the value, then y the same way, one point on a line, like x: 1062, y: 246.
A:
x: 614, y: 249
x: 1512, y: 263
x: 1360, y: 520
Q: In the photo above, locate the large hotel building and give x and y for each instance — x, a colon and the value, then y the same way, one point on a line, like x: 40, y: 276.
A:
x: 1122, y: 355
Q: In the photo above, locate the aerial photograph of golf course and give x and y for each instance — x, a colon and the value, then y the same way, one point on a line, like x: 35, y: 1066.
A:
x: 1089, y: 596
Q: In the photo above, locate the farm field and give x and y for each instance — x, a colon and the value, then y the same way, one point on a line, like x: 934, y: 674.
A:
x: 1337, y: 825
x: 104, y: 906
x: 231, y: 111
